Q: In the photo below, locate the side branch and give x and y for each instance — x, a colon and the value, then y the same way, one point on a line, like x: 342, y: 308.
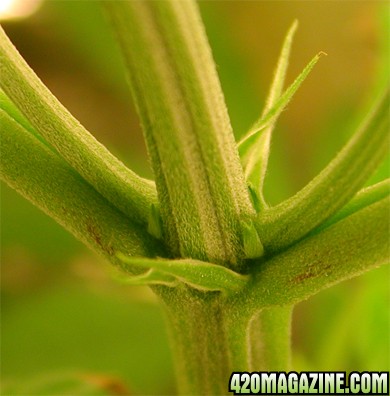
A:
x: 341, y: 251
x: 123, y: 188
x: 38, y: 174
x: 288, y: 222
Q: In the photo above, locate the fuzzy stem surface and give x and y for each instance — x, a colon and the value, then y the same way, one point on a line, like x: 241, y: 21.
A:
x: 200, y: 182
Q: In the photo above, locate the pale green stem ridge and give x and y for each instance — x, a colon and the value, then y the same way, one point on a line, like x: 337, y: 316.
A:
x: 213, y: 335
x: 38, y: 174
x: 238, y: 342
x: 119, y: 185
x: 341, y: 251
x: 199, y: 178
x: 9, y: 107
x: 270, y: 339
x: 286, y: 223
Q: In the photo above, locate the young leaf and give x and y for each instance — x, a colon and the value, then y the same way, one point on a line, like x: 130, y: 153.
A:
x: 270, y: 117
x: 252, y: 150
x: 150, y: 277
x: 343, y: 250
x: 286, y: 223
x: 198, y: 274
x: 199, y: 178
x: 122, y: 187
x: 32, y: 169
x: 254, y: 146
x: 281, y: 69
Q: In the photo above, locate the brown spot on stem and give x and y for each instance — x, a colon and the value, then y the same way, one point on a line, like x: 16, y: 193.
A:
x: 300, y: 278
x: 312, y: 271
x: 94, y: 232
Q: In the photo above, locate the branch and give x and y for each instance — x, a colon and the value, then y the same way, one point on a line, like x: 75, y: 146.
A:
x: 363, y: 198
x: 38, y: 174
x: 119, y: 185
x: 286, y: 223
x: 341, y: 251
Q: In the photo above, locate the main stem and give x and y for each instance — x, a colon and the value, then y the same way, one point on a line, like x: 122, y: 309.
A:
x: 200, y: 182
x: 212, y: 337
x: 203, y: 350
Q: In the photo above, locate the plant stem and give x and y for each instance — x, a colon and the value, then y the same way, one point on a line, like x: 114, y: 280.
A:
x: 341, y: 251
x: 199, y: 178
x: 270, y: 339
x: 209, y: 340
x: 127, y: 191
x: 289, y: 221
x: 41, y: 176
x: 363, y: 198
x: 212, y: 337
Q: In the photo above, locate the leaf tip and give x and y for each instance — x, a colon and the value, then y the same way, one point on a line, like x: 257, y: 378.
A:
x: 294, y: 26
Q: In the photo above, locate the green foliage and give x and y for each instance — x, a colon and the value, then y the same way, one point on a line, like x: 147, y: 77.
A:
x: 228, y: 267
x: 255, y: 145
x: 197, y: 274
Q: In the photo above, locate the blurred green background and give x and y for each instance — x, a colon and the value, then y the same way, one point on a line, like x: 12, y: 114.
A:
x: 62, y: 311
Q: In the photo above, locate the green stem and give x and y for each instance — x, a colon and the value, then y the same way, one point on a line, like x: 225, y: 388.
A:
x: 123, y: 188
x: 363, y: 198
x: 341, y: 251
x: 213, y: 336
x: 32, y: 169
x: 199, y: 178
x: 270, y: 338
x: 288, y: 222
x: 209, y: 340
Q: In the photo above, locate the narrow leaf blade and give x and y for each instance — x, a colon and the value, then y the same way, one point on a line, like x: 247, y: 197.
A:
x: 281, y: 69
x: 150, y: 277
x: 198, y: 274
x: 253, y: 247
x: 271, y: 115
x: 254, y: 147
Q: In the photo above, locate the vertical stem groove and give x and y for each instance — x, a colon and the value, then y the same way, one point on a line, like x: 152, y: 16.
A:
x: 199, y: 178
